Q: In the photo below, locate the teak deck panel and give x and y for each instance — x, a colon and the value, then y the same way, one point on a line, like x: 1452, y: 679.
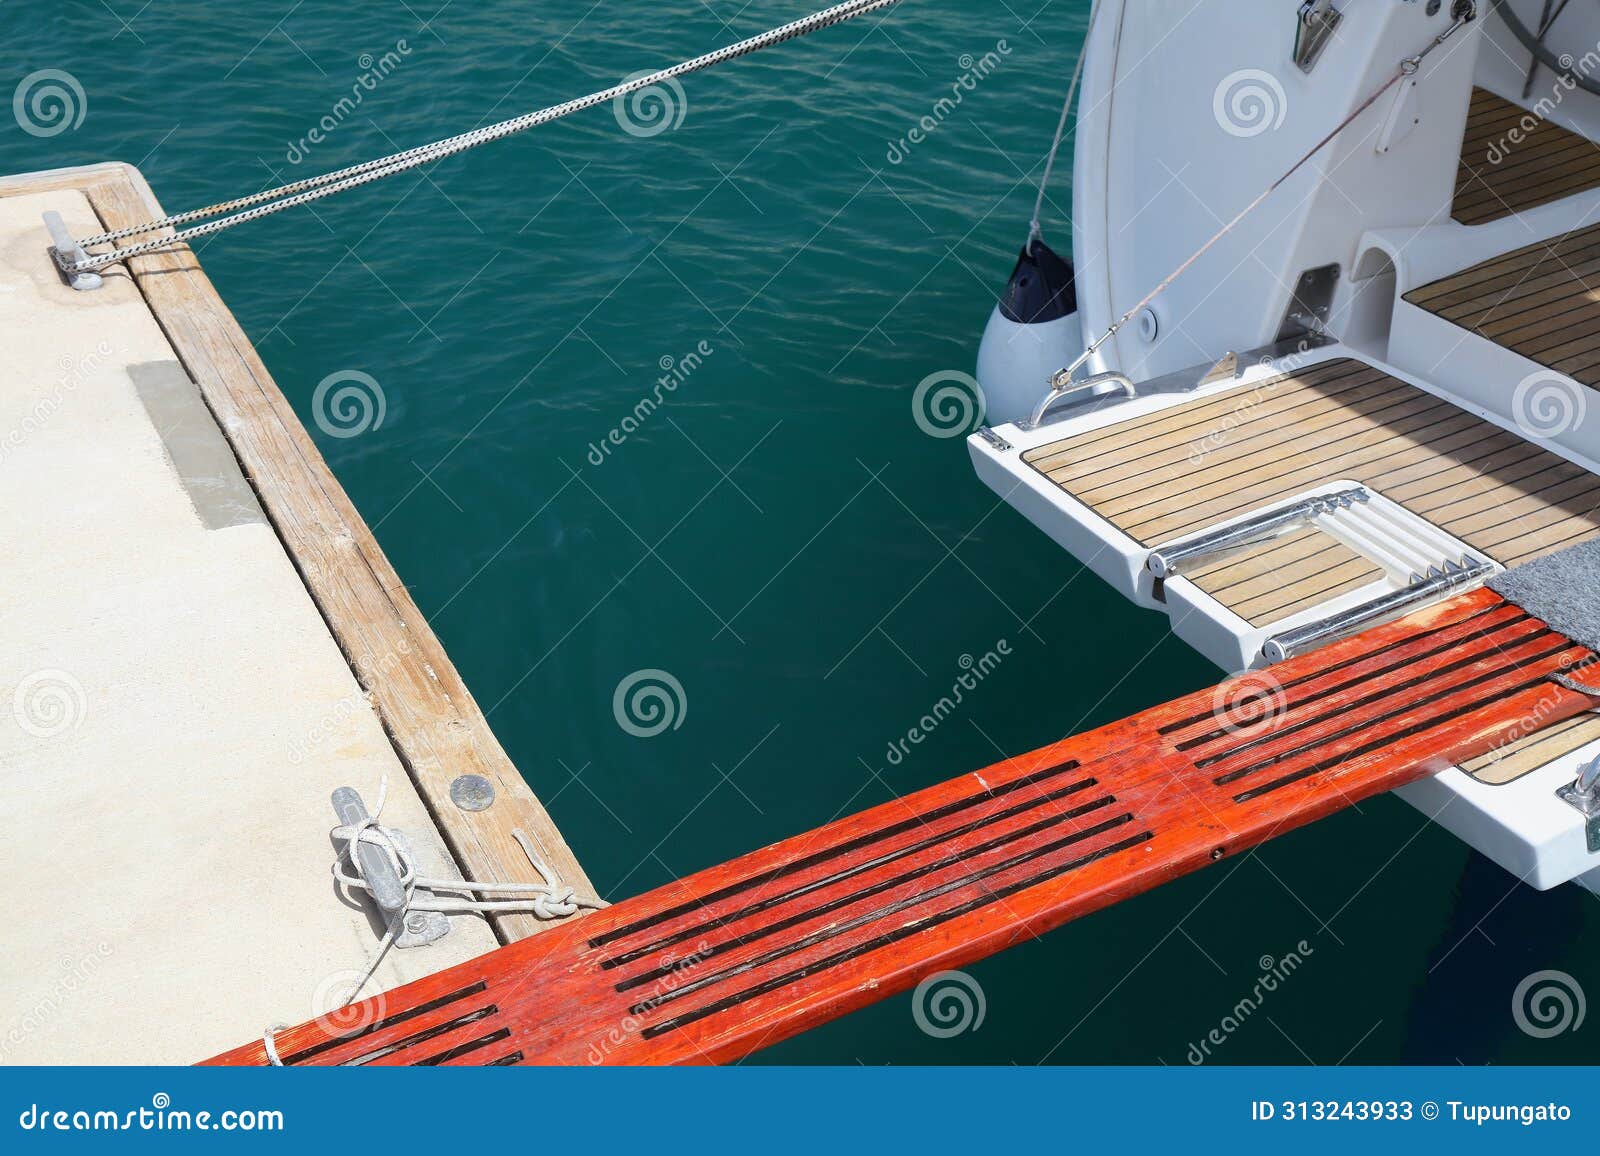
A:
x: 435, y: 725
x: 1170, y: 474
x: 1542, y: 301
x: 1283, y: 577
x: 1514, y: 760
x: 1513, y: 160
x: 739, y: 956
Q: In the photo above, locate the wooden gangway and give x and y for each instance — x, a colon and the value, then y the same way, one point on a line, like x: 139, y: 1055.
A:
x: 742, y: 955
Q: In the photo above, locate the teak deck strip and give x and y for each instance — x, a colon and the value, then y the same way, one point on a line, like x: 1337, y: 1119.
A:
x: 1542, y: 301
x: 1172, y: 473
x: 1286, y: 576
x: 742, y: 955
x: 1514, y: 760
x: 435, y: 725
x: 1513, y: 160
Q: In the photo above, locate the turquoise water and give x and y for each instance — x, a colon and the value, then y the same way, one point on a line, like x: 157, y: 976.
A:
x: 778, y: 535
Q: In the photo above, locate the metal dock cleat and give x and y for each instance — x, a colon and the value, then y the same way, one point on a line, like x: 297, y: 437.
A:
x: 67, y: 253
x: 382, y: 876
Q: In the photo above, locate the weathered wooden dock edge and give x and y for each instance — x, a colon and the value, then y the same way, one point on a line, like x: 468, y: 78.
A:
x: 435, y: 725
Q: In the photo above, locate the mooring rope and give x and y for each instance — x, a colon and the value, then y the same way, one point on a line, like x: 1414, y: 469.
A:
x: 547, y: 899
x: 1035, y: 232
x: 1464, y: 13
x: 313, y: 188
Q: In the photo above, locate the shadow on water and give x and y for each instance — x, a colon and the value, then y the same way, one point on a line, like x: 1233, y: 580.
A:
x: 1501, y: 932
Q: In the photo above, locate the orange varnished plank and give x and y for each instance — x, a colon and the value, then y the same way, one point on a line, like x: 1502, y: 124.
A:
x: 739, y: 956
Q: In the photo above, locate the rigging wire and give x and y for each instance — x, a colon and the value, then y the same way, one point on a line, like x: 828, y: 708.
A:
x: 1463, y: 13
x: 1035, y: 233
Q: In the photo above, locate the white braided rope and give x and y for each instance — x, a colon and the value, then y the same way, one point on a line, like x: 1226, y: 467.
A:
x: 547, y: 899
x: 313, y: 188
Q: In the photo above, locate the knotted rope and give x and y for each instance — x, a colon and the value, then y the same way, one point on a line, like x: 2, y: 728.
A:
x: 549, y: 898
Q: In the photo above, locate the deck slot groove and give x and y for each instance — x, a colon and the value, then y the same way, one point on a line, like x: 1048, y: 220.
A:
x: 1377, y: 720
x: 743, y: 939
x: 903, y: 932
x: 1546, y: 162
x: 1367, y: 700
x: 1346, y: 664
x: 899, y: 828
x: 1409, y: 660
x: 421, y: 1037
x: 1388, y: 740
x: 387, y: 1022
x: 879, y: 915
x: 460, y: 1050
x: 767, y: 903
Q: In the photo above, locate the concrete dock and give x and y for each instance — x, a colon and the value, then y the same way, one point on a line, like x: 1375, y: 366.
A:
x: 201, y: 641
